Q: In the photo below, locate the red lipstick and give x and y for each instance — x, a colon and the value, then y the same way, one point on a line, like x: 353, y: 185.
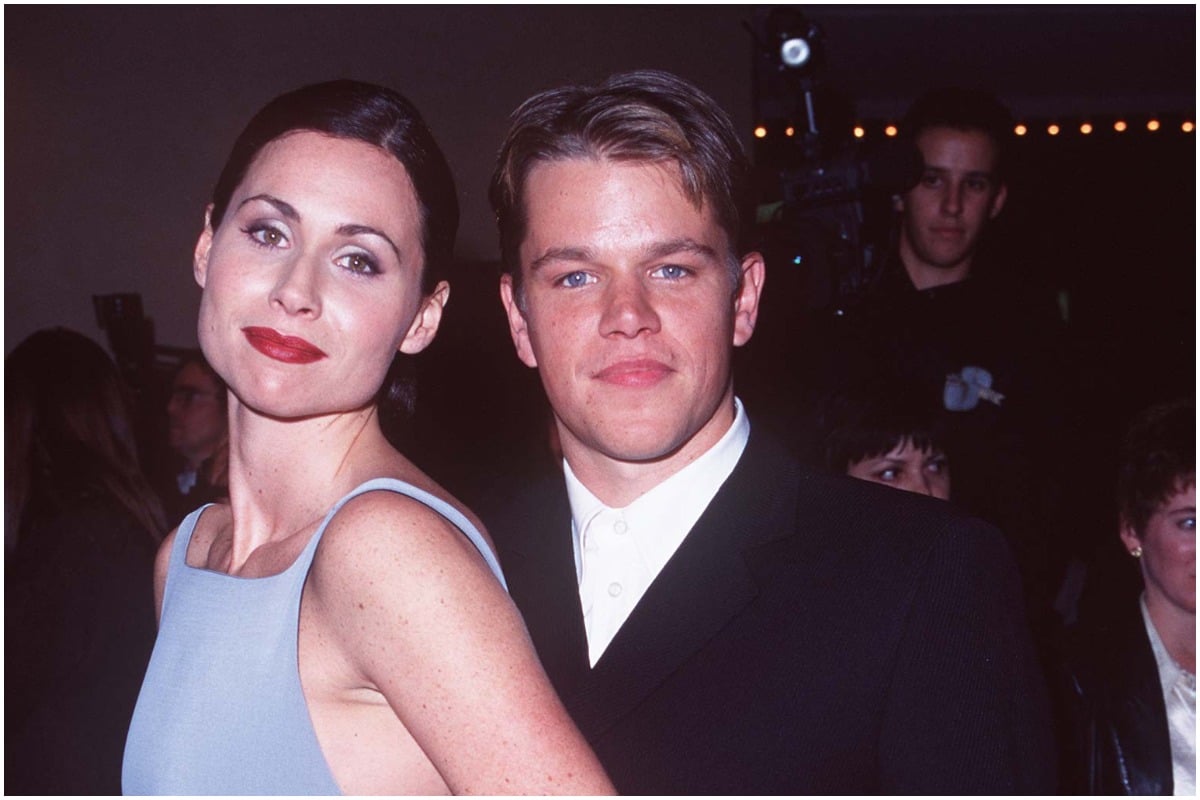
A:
x: 288, y: 349
x: 634, y: 373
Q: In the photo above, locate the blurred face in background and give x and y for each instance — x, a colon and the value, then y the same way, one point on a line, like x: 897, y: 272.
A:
x: 196, y: 419
x: 909, y: 468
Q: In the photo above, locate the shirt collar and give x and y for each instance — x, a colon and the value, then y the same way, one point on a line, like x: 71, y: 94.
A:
x: 672, y: 507
x: 1169, y: 671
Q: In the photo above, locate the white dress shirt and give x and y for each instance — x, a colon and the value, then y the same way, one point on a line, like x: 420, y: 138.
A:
x: 620, y: 551
x: 1179, y: 693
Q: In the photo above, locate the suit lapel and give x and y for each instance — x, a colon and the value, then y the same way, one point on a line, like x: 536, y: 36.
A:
x: 704, y: 585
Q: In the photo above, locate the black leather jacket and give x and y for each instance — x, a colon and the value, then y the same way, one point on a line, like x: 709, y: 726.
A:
x: 1118, y: 742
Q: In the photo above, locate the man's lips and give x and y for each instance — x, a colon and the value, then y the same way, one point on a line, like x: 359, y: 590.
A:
x: 639, y: 372
x: 288, y: 349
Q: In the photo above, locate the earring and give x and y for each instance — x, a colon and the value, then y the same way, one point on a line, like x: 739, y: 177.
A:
x: 1136, y: 552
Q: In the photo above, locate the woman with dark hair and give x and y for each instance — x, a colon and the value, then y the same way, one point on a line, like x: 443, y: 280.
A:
x: 1132, y: 673
x: 341, y: 624
x: 79, y: 615
x: 882, y: 435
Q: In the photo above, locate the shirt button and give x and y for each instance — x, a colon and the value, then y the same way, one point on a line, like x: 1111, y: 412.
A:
x: 614, y: 589
x: 619, y: 526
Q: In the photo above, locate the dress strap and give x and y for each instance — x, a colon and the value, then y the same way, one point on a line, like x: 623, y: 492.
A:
x: 183, y: 535
x: 179, y: 548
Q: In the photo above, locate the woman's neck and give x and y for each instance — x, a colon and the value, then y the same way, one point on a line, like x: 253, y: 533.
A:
x: 286, y: 474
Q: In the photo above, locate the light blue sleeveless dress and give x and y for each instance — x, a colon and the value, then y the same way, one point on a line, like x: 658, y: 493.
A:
x: 221, y: 710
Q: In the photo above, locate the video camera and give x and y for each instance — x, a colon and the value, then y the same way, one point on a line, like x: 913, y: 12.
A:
x: 828, y: 196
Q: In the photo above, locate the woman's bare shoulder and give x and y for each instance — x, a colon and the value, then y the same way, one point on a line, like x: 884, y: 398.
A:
x: 162, y: 563
x: 383, y: 538
x: 404, y: 470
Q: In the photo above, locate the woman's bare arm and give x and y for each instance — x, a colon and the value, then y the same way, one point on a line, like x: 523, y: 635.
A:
x: 423, y: 619
x: 162, y: 561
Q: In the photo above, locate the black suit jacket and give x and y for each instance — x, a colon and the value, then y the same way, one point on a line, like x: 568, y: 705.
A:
x: 812, y: 635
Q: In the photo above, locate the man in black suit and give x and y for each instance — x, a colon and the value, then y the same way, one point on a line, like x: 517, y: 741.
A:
x: 716, y: 620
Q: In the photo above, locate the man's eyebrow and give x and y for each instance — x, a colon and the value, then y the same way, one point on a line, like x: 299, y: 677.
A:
x: 975, y: 173
x: 348, y: 229
x: 683, y: 244
x: 561, y: 254
x: 652, y: 252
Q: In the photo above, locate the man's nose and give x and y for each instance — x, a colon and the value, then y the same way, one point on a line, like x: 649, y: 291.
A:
x: 952, y: 199
x: 628, y: 309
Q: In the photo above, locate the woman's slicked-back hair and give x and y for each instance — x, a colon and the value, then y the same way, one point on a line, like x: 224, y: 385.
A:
x: 1158, y: 458
x: 367, y: 113
x: 641, y: 116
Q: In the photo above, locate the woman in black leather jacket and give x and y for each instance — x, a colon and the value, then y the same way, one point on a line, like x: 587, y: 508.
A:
x: 1132, y: 669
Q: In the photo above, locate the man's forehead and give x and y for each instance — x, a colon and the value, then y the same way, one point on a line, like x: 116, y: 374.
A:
x: 708, y: 238
x: 944, y: 146
x: 600, y: 171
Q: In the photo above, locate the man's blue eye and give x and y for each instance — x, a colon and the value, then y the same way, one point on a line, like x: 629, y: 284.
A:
x: 673, y: 271
x: 574, y: 280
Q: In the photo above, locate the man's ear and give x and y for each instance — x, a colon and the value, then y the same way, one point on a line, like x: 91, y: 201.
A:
x: 203, y: 247
x: 749, y: 293
x: 998, y: 201
x: 898, y: 203
x: 518, y: 325
x: 425, y: 324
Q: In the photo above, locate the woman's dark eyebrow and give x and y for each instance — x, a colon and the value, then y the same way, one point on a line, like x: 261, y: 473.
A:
x: 352, y: 229
x: 284, y: 208
x: 349, y: 229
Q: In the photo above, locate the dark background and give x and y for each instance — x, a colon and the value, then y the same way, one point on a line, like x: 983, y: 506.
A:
x: 118, y: 119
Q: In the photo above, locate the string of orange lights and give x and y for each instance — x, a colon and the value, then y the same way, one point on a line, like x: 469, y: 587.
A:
x: 1151, y: 125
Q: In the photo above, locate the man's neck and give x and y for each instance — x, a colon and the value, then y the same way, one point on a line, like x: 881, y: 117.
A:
x: 617, y: 483
x: 928, y: 276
